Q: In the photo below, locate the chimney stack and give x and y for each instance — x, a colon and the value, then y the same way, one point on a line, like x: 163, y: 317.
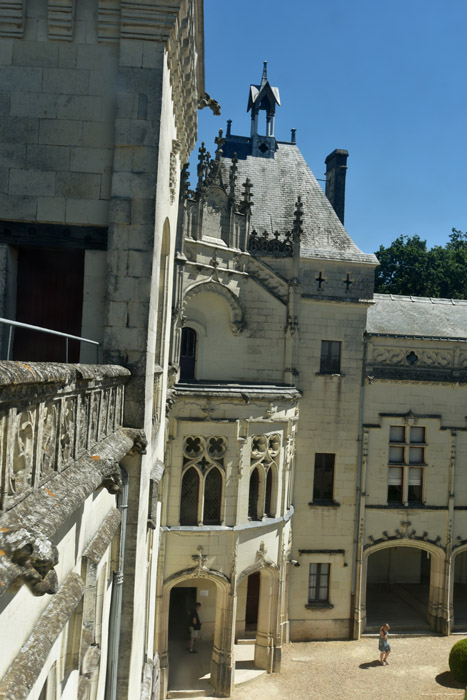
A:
x: 336, y: 168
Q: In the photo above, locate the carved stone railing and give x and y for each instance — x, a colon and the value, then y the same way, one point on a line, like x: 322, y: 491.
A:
x: 60, y: 439
x: 50, y: 415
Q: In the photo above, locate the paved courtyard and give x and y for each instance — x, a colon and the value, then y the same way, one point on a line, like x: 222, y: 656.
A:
x: 418, y: 670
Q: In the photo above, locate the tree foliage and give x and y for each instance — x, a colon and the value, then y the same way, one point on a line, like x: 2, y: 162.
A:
x: 407, y: 266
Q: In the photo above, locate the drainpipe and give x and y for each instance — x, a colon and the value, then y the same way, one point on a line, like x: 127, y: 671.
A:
x: 117, y: 594
x: 356, y: 542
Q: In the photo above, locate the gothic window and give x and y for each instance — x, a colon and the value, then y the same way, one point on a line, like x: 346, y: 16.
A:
x: 330, y: 361
x: 268, y: 496
x: 188, y: 353
x: 323, y: 485
x: 406, y: 462
x: 189, y: 498
x: 202, y: 480
x: 212, y: 497
x: 265, y: 452
x: 253, y: 495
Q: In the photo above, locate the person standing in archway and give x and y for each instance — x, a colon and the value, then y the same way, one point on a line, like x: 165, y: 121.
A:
x: 195, y: 626
x: 383, y: 645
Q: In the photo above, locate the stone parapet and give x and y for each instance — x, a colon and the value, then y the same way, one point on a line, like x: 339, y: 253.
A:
x: 61, y: 438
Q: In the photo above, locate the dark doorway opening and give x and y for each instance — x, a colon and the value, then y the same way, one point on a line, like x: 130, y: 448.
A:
x: 182, y: 602
x: 50, y: 295
x: 460, y: 592
x: 398, y: 589
x: 188, y: 354
x: 252, y: 602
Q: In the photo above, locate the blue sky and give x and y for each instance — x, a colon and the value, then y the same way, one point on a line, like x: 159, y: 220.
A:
x: 385, y: 79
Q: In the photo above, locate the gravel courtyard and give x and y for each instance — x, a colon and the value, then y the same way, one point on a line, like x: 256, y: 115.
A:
x: 418, y: 670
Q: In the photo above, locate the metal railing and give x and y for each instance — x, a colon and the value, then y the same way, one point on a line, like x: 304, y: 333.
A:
x: 67, y: 336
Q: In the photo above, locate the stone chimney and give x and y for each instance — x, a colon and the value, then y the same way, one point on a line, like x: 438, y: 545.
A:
x: 336, y: 168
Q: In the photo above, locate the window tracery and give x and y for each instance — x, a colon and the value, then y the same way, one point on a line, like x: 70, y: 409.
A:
x: 264, y: 465
x: 202, y: 480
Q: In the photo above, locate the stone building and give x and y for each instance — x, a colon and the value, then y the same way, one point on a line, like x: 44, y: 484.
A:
x: 99, y: 111
x: 315, y: 476
x: 288, y: 441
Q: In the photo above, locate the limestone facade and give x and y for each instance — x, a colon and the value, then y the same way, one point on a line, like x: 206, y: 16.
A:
x: 99, y: 112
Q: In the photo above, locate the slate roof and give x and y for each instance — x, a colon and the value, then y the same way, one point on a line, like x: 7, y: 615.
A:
x: 276, y: 184
x: 418, y: 316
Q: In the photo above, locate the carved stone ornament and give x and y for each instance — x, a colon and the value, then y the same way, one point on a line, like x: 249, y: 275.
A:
x: 236, y: 311
x: 34, y: 557
x: 403, y: 533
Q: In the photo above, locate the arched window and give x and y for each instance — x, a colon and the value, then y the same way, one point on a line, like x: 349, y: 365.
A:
x: 268, y: 496
x: 253, y: 495
x: 189, y: 498
x: 212, y: 497
x: 188, y: 354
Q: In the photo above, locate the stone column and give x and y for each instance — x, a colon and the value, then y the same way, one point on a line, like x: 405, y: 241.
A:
x: 222, y: 662
x: 265, y: 633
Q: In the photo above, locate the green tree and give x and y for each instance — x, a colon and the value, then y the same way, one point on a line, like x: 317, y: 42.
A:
x: 408, y: 267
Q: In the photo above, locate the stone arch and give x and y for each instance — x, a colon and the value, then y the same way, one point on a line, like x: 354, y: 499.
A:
x: 437, y: 613
x: 268, y: 637
x: 458, y: 586
x: 222, y: 654
x: 237, y: 321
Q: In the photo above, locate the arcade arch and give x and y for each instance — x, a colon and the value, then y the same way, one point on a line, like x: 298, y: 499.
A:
x: 403, y: 581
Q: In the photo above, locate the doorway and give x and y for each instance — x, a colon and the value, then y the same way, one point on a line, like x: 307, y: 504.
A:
x: 460, y: 592
x: 252, y: 604
x: 398, y: 589
x: 182, y: 601
x: 50, y: 295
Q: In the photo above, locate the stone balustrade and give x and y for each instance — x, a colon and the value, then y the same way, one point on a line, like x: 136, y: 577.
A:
x: 60, y: 440
x: 50, y: 415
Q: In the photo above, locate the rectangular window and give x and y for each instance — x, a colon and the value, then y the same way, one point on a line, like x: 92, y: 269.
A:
x: 415, y: 485
x: 323, y: 484
x: 318, y: 583
x: 330, y: 362
x: 407, y: 448
x: 395, y: 485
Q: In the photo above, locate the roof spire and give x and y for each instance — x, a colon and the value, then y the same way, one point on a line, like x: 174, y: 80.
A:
x: 263, y: 97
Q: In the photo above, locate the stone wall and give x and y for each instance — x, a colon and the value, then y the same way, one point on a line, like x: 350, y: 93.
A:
x: 62, y: 441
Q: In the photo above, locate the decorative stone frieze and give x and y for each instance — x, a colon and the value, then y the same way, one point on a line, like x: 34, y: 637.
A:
x: 403, y: 533
x: 42, y: 436
x: 60, y: 440
x: 416, y: 360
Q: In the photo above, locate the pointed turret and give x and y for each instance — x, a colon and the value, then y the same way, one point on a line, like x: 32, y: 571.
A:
x: 263, y: 97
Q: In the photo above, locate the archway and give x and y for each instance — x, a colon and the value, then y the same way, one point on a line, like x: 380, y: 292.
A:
x: 211, y: 666
x: 186, y: 671
x: 247, y: 606
x: 402, y: 588
x: 258, y: 601
x: 460, y: 592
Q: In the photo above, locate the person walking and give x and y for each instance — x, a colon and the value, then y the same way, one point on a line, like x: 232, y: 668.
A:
x: 195, y: 626
x: 383, y: 645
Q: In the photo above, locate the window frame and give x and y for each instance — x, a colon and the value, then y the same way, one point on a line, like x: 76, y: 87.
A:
x: 404, y: 444
x: 327, y: 358
x: 322, y: 583
x: 321, y: 470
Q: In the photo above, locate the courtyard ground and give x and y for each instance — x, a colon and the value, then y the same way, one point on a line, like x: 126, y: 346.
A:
x: 418, y: 670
